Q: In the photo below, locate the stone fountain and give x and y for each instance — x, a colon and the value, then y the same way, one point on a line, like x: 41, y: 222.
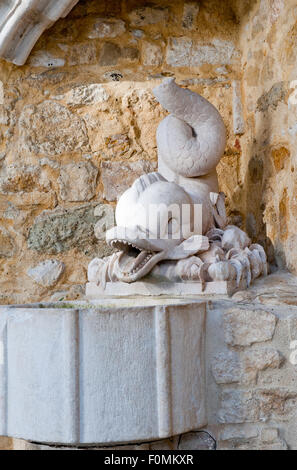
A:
x: 129, y: 364
x: 172, y: 234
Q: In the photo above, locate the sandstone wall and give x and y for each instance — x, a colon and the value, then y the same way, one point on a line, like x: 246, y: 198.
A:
x: 252, y: 368
x: 268, y: 171
x: 78, y: 122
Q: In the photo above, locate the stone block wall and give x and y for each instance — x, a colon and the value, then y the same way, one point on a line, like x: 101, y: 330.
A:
x: 268, y: 172
x: 252, y: 372
x: 78, y: 124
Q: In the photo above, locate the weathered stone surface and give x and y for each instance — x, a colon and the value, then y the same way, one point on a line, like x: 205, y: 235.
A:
x: 278, y: 445
x: 190, y: 13
x: 51, y: 129
x: 151, y: 54
x: 245, y: 327
x: 105, y: 213
x: 256, y: 169
x: 119, y: 176
x: 233, y: 367
x: 82, y: 53
x: 273, y: 97
x: 130, y: 53
x: 110, y: 54
x: 280, y: 156
x: 238, y: 433
x: 106, y: 28
x: 147, y: 15
x: 278, y: 288
x: 78, y: 181
x: 45, y: 59
x: 42, y: 346
x: 276, y: 403
x: 7, y: 245
x: 47, y: 273
x: 238, y: 406
x: 94, y: 93
x: 247, y: 440
x: 119, y: 143
x: 197, y: 441
x: 238, y: 119
x: 227, y: 367
x: 23, y: 200
x: 256, y: 360
x: 63, y: 229
x: 178, y: 52
x: 1, y: 93
x: 184, y: 52
x: 165, y: 444
x: 74, y: 292
x: 16, y: 178
x: 269, y: 434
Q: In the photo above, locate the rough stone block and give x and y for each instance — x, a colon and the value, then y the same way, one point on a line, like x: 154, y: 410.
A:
x: 63, y: 229
x: 83, y: 53
x: 190, y: 13
x: 51, y: 129
x: 151, y: 54
x: 271, y: 98
x: 119, y: 176
x: 227, y: 367
x: 238, y: 433
x: 245, y: 327
x: 47, y: 273
x: 197, y: 441
x: 106, y: 220
x: 238, y: 406
x: 85, y: 95
x: 276, y: 403
x: 146, y: 15
x: 45, y: 59
x: 185, y: 52
x: 257, y: 360
x: 78, y: 181
x: 106, y: 28
x: 7, y: 244
x: 23, y: 178
x: 110, y: 54
x: 269, y: 434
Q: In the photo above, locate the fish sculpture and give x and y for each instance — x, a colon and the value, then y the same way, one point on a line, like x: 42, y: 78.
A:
x: 172, y: 225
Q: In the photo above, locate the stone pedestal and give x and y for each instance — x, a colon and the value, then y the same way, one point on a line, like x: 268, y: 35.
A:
x: 101, y: 373
x: 146, y: 288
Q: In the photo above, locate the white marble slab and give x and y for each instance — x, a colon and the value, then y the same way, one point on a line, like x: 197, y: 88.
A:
x: 144, y: 288
x: 82, y: 373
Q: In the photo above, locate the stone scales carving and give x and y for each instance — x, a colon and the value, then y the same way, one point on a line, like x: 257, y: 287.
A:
x: 163, y: 247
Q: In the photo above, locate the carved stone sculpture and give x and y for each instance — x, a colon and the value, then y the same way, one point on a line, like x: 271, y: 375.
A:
x: 159, y: 235
x: 23, y: 21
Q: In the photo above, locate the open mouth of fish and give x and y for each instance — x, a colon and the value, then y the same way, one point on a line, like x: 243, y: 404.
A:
x: 133, y: 260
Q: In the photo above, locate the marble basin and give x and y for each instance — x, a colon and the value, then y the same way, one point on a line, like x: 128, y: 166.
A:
x: 110, y: 371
